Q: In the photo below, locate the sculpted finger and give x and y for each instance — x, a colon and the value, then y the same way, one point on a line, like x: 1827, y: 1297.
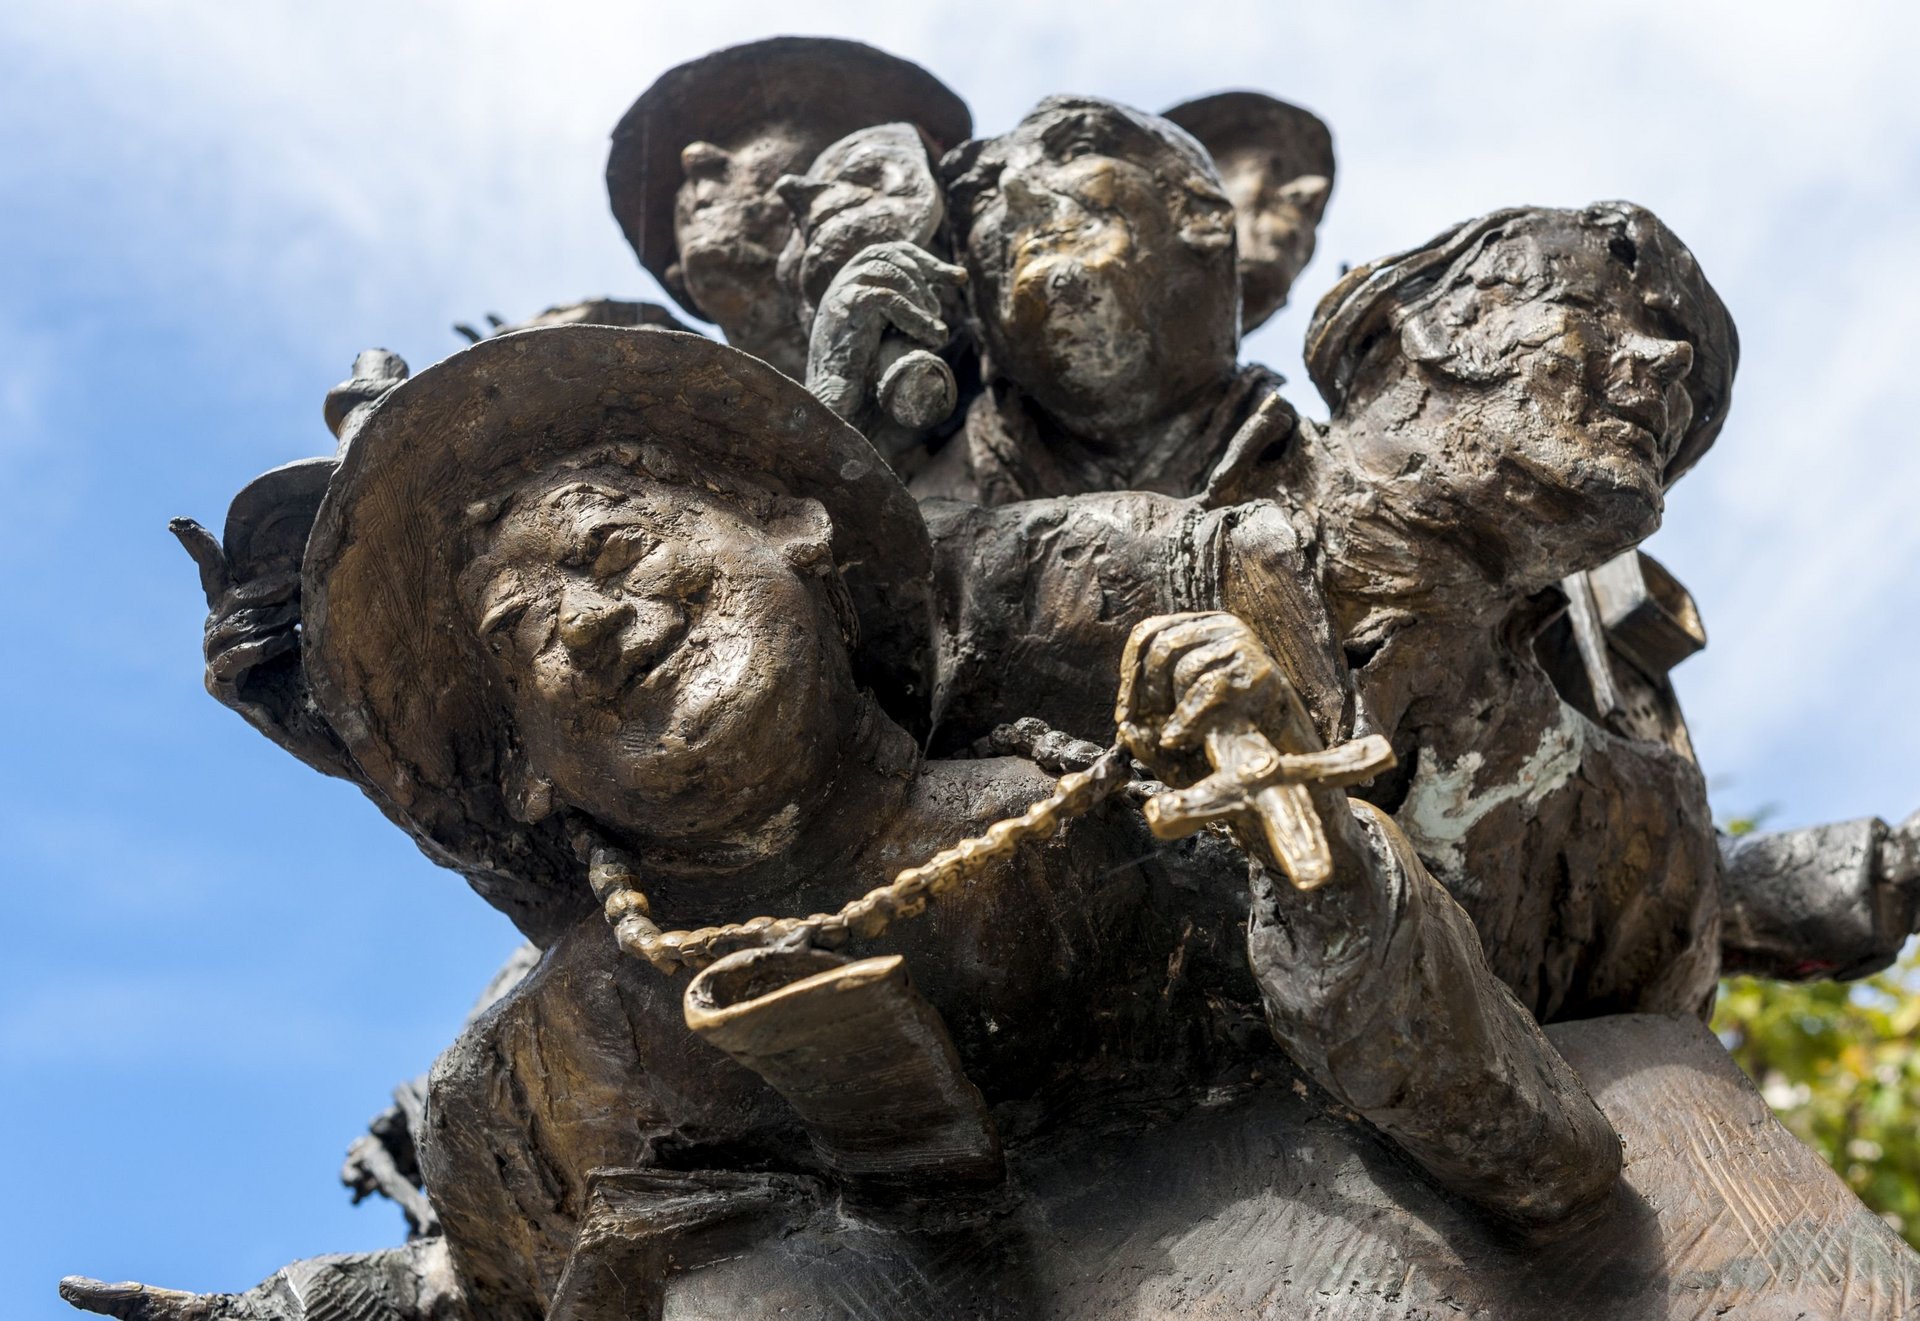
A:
x: 1146, y: 685
x: 1217, y: 651
x: 267, y: 589
x: 1212, y: 692
x: 231, y: 627
x: 1174, y: 641
x: 927, y: 266
x: 133, y: 1302
x: 207, y: 555
x: 916, y: 273
x: 232, y: 663
x: 905, y: 315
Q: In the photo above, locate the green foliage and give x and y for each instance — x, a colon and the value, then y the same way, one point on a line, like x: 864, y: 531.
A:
x: 1838, y: 1064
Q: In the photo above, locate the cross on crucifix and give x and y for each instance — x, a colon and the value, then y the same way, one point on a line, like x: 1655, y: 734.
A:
x: 1253, y: 782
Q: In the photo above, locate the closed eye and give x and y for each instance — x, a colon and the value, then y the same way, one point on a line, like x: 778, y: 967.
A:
x: 504, y: 614
x: 620, y: 549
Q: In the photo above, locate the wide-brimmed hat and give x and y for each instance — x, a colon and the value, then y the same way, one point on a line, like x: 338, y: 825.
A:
x: 825, y: 86
x: 396, y: 667
x: 1297, y: 142
x: 1378, y: 298
x: 269, y: 519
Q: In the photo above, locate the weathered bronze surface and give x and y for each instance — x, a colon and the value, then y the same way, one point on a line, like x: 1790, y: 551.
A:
x: 1011, y: 820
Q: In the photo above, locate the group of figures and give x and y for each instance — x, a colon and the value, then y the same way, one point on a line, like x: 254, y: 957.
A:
x: 1012, y: 820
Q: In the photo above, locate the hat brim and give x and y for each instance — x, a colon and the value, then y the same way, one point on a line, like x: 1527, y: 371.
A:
x: 825, y: 86
x: 1296, y: 141
x: 396, y: 667
x: 269, y: 520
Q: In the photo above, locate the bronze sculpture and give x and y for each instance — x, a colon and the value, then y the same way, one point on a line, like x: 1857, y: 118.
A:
x: 1276, y: 161
x: 644, y: 640
x: 696, y: 162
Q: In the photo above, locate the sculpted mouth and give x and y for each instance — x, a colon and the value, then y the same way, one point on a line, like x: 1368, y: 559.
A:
x: 1642, y: 421
x: 645, y: 668
x: 1649, y: 415
x: 641, y: 669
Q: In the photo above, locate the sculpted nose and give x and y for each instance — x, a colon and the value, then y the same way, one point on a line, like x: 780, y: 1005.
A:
x: 1024, y: 201
x: 1667, y: 361
x: 587, y: 619
x: 798, y: 192
x: 703, y: 160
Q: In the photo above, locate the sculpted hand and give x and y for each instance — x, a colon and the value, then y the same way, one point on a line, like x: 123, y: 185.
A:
x: 248, y: 623
x: 1185, y: 675
x: 1200, y: 691
x: 887, y: 288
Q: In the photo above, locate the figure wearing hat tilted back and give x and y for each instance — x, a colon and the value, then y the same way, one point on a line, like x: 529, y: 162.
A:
x: 694, y: 162
x: 581, y: 593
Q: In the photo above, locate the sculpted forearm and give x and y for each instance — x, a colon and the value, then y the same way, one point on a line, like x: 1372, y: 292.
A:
x: 1390, y: 1007
x: 1829, y: 902
x: 1371, y: 976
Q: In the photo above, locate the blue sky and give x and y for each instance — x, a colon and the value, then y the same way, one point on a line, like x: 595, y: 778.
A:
x: 222, y: 961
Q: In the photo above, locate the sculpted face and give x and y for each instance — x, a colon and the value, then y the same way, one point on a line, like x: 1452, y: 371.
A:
x: 1544, y: 395
x: 730, y: 225
x: 1100, y: 247
x: 1275, y: 220
x: 656, y: 643
x: 873, y: 186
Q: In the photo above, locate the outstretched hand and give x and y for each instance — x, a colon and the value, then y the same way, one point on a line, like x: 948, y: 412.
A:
x: 248, y: 623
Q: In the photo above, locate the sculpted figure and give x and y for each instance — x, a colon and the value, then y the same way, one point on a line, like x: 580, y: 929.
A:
x: 1847, y: 892
x: 1508, y: 402
x: 868, y: 219
x: 631, y: 547
x: 1087, y: 299
x: 634, y: 563
x: 642, y: 639
x: 1099, y: 248
x: 1276, y: 163
x: 696, y: 161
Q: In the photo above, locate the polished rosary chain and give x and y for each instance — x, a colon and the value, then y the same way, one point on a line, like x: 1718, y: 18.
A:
x: 616, y: 883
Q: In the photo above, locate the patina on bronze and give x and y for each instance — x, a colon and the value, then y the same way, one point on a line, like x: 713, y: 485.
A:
x: 1193, y: 861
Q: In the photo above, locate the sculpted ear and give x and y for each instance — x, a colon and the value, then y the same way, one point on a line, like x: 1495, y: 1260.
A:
x: 803, y: 531
x: 1456, y: 341
x: 1425, y: 341
x: 1206, y: 221
x: 529, y: 794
